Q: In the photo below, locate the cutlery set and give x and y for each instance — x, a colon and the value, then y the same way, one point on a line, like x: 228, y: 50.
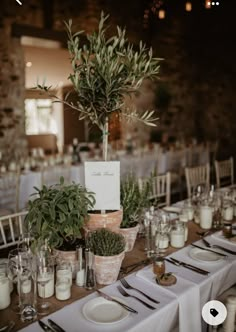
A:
x: 196, y: 269
x: 51, y: 326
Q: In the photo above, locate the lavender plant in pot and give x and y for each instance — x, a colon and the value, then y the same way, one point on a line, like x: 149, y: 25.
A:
x: 109, y: 251
x: 104, y: 71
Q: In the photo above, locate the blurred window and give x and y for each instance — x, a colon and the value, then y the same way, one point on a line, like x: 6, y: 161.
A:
x: 39, y: 117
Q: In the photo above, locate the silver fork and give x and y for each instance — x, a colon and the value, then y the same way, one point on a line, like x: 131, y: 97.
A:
x: 128, y: 286
x: 209, y: 245
x: 124, y: 293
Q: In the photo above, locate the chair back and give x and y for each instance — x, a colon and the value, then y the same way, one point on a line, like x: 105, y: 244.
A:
x: 197, y: 175
x: 160, y: 190
x: 11, y: 227
x: 224, y: 172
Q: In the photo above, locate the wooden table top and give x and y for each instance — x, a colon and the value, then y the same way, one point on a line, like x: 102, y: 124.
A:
x: 136, y: 255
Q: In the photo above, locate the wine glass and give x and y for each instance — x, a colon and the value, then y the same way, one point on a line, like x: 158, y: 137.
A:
x: 45, y: 282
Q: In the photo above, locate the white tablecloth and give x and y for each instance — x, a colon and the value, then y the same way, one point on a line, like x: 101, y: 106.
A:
x: 180, y: 304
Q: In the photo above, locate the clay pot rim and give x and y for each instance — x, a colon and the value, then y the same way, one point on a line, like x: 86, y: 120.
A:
x: 107, y: 212
x: 66, y: 251
x: 123, y: 252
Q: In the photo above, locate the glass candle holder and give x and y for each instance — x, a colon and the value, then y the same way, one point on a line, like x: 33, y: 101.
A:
x: 177, y: 235
x: 63, y: 289
x: 64, y: 270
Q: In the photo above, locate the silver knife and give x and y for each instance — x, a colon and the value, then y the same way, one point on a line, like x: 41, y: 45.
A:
x: 198, y: 269
x: 55, y: 326
x: 207, y: 249
x: 194, y: 269
x: 45, y: 327
x: 109, y: 298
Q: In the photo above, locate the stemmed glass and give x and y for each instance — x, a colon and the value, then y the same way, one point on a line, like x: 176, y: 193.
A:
x: 45, y: 281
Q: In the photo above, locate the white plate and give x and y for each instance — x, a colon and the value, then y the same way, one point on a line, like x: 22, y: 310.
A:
x: 172, y: 209
x: 204, y: 256
x: 102, y: 311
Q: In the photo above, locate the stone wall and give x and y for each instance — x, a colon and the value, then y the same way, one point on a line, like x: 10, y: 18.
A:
x: 12, y: 90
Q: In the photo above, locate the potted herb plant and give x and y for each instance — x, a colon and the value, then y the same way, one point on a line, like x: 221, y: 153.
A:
x: 58, y: 214
x: 134, y: 199
x: 104, y: 71
x: 109, y: 251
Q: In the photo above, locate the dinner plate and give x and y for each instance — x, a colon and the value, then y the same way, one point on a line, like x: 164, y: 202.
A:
x: 204, y: 255
x: 172, y: 209
x: 102, y: 311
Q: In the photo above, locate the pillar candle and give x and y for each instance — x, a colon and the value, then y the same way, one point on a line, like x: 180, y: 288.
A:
x: 177, y: 238
x: 63, y: 291
x: 206, y: 216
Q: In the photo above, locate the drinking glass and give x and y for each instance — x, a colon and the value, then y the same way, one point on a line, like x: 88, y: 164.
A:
x: 24, y: 241
x: 45, y: 282
x: 17, y: 259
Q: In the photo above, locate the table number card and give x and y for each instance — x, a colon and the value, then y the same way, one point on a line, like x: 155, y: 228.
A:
x: 103, y: 178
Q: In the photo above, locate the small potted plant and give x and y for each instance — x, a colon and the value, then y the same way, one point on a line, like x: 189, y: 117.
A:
x: 109, y: 251
x: 58, y: 214
x: 133, y: 200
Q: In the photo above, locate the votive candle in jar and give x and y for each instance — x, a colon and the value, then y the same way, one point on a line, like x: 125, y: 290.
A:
x: 228, y: 211
x: 206, y: 217
x: 5, y: 298
x: 46, y: 290
x: 64, y: 271
x: 63, y: 289
x: 177, y: 235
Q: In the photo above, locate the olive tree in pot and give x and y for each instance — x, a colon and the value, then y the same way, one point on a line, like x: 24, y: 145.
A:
x: 134, y: 199
x: 57, y: 215
x: 104, y: 71
x: 109, y: 251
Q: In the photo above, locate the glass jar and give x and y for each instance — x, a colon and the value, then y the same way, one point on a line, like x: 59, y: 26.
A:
x: 158, y: 266
x: 206, y: 214
x: 177, y: 235
x: 227, y: 210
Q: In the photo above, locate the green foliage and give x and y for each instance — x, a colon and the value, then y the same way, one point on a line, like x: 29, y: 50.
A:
x: 133, y: 199
x: 104, y: 242
x: 104, y: 70
x: 59, y: 212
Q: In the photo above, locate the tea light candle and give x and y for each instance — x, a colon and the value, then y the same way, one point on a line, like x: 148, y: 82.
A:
x: 5, y: 299
x: 62, y: 274
x: 206, y: 216
x: 228, y: 213
x: 63, y: 291
x: 177, y: 238
x: 46, y: 290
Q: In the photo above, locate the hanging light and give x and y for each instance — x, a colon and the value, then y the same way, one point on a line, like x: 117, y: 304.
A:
x: 161, y: 14
x: 188, y: 6
x: 207, y: 4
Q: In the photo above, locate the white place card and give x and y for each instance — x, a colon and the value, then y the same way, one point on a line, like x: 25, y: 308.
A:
x: 103, y: 178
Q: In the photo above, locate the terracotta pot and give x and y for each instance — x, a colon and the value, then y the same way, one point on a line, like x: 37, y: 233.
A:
x: 110, y: 220
x: 107, y: 268
x: 130, y: 235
